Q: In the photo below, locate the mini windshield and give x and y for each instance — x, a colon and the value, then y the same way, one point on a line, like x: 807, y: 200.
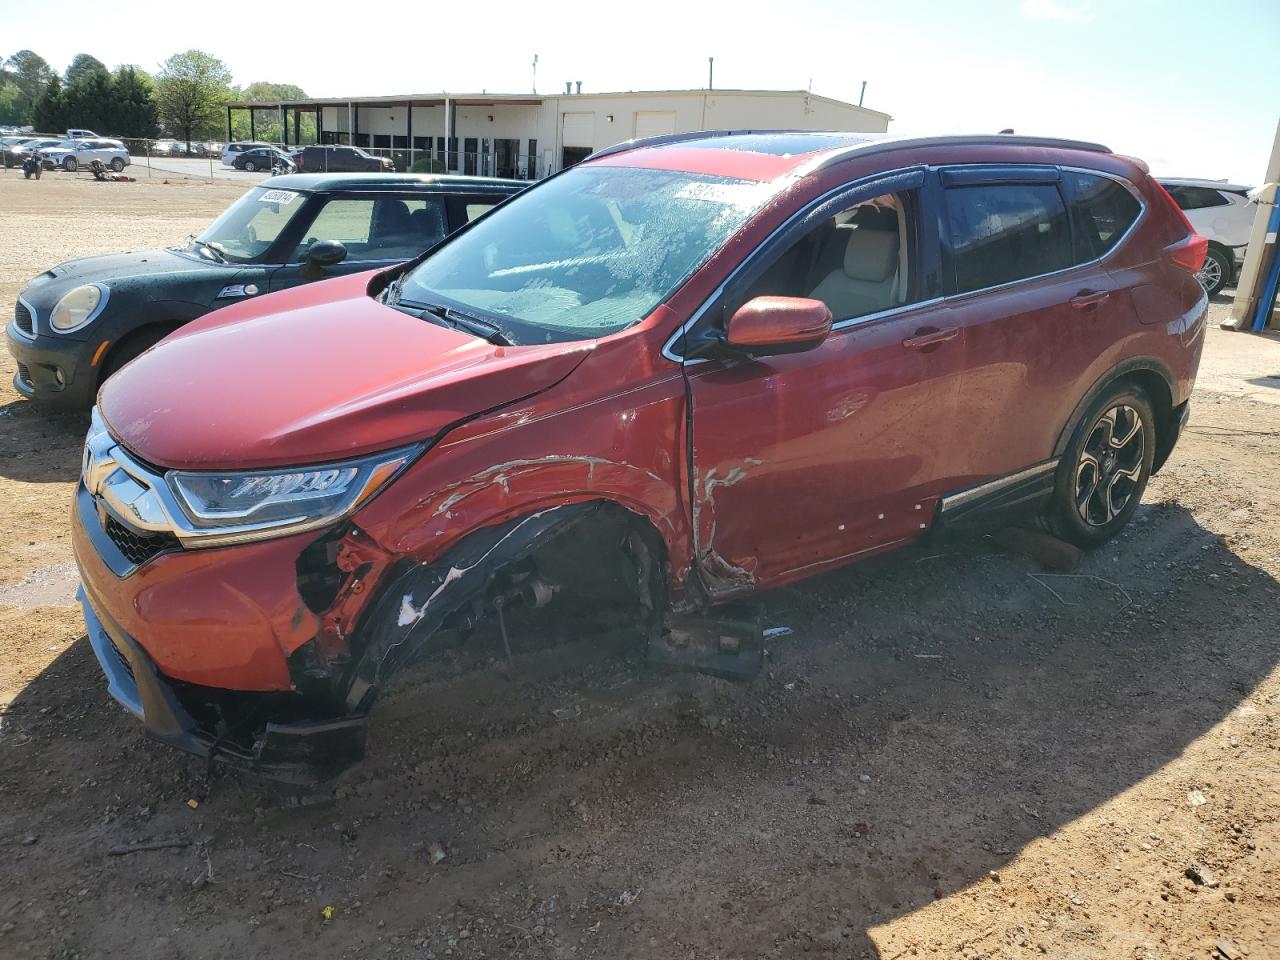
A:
x: 587, y: 253
x: 247, y: 229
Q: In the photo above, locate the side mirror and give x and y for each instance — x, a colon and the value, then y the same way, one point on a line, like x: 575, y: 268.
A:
x: 323, y: 254
x: 772, y: 325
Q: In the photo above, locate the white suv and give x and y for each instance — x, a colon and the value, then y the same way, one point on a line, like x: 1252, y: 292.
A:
x: 1221, y: 212
x: 233, y: 150
x: 71, y: 155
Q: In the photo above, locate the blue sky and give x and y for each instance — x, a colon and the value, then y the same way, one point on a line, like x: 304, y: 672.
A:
x: 1192, y: 88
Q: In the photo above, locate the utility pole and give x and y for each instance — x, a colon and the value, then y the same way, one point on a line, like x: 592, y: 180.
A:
x: 711, y: 73
x: 862, y: 93
x: 535, y: 73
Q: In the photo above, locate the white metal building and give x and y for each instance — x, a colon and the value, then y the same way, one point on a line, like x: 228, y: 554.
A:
x: 529, y: 136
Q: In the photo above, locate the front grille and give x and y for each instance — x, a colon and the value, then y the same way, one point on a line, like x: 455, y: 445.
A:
x: 24, y: 374
x: 139, y: 548
x: 124, y: 661
x: 22, y: 319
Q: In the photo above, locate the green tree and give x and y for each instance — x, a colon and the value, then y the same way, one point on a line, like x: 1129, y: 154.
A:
x: 191, y: 90
x: 266, y: 124
x: 82, y: 67
x: 132, y: 110
x: 50, y: 113
x: 29, y: 73
x: 87, y: 94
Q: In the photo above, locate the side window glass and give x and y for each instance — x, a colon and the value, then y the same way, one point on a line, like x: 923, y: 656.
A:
x: 476, y: 208
x: 385, y: 228
x: 859, y: 262
x: 1103, y: 210
x: 1005, y: 232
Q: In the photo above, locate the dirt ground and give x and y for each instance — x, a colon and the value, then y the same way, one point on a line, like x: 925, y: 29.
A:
x: 951, y: 755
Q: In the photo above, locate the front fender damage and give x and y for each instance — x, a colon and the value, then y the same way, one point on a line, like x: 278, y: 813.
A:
x: 415, y: 605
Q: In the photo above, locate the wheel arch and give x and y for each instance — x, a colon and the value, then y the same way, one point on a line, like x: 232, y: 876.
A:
x: 132, y: 338
x: 1155, y: 379
x: 416, y: 598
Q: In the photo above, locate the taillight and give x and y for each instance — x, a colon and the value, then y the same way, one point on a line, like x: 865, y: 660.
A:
x: 1189, y: 252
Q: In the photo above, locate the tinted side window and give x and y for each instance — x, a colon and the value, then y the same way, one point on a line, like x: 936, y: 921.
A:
x: 1103, y: 211
x: 1005, y: 232
x: 1196, y: 198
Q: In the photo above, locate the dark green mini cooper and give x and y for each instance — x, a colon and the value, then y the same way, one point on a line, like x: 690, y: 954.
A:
x: 80, y: 321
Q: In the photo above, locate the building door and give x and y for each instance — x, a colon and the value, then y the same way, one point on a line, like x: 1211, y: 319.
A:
x: 655, y: 123
x: 504, y: 157
x: 470, y: 149
x: 577, y: 137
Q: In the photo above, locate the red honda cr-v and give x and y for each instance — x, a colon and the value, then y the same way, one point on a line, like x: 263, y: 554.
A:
x: 683, y: 371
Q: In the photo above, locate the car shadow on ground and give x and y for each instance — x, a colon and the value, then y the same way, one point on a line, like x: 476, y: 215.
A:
x: 930, y: 714
x: 40, y: 446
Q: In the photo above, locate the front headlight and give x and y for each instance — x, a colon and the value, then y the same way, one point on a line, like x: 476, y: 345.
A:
x: 78, y: 307
x: 255, y: 504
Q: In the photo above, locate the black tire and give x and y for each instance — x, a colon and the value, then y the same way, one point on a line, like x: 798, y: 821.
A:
x: 250, y: 166
x: 132, y: 347
x: 117, y: 164
x: 1216, y: 272
x: 71, y: 165
x: 1089, y: 515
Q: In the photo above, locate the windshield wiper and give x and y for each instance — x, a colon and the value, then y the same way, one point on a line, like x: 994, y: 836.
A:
x: 464, y: 321
x: 206, y: 245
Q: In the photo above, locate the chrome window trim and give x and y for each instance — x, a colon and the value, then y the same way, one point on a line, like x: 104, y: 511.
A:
x: 668, y: 347
x: 35, y: 321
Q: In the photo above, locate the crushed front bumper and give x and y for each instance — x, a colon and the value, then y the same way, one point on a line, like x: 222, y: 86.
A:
x: 302, y: 751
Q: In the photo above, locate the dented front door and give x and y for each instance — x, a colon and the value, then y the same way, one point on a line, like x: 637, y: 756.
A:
x: 807, y: 460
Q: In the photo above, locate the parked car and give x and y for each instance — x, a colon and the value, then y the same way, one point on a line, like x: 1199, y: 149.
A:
x: 232, y: 150
x: 8, y: 154
x: 14, y: 156
x: 264, y: 158
x: 338, y: 159
x: 684, y: 371
x: 1223, y: 213
x: 71, y: 155
x: 77, y: 134
x: 82, y: 320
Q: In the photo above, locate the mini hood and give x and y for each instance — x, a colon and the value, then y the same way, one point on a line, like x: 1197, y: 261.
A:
x: 314, y: 374
x: 119, y: 266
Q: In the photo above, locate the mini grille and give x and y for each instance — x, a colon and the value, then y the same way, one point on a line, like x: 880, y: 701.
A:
x: 138, y: 548
x: 22, y: 318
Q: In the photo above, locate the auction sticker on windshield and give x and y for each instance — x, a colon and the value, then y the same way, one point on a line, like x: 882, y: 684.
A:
x: 283, y: 197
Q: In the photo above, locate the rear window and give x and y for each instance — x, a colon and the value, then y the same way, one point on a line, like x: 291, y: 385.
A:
x: 1005, y: 232
x: 1103, y: 211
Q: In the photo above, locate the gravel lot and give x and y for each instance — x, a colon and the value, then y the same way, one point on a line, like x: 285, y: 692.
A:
x: 952, y: 755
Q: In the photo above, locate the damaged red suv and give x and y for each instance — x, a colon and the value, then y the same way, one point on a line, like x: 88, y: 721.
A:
x: 684, y: 371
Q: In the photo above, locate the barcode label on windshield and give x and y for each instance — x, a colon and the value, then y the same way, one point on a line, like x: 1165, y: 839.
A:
x: 282, y: 197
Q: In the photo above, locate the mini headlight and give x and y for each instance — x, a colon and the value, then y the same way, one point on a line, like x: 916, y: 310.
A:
x: 77, y: 307
x: 255, y: 504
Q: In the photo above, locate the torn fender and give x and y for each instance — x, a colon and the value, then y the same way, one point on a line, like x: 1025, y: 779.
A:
x: 417, y: 603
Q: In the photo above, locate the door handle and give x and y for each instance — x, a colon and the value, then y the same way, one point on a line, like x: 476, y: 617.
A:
x: 1089, y: 298
x: 926, y: 337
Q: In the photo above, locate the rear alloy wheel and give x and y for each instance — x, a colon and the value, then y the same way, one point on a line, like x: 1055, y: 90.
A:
x: 1105, y: 469
x: 1215, y: 273
x: 70, y: 165
x: 117, y: 164
x: 250, y: 166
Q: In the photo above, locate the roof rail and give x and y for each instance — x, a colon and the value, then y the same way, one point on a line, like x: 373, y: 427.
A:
x: 669, y: 138
x: 880, y: 144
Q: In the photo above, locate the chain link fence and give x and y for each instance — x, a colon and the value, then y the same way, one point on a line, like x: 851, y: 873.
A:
x: 202, y: 160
